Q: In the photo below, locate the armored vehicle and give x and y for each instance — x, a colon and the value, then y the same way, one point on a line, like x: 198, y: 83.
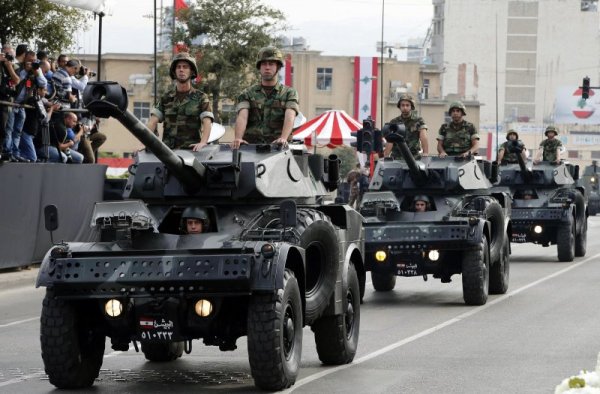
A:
x: 463, y: 229
x: 589, y: 180
x: 548, y: 206
x: 270, y: 260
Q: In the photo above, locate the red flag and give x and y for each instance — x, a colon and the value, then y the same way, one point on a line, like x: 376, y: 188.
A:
x: 180, y: 5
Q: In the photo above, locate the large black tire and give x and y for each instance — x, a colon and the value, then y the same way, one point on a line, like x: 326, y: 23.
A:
x: 383, y: 282
x: 565, y: 241
x: 319, y: 239
x: 275, y: 336
x: 72, y: 349
x: 495, y: 216
x: 475, y: 274
x: 337, y: 336
x: 162, y: 352
x: 581, y: 241
x: 500, y: 270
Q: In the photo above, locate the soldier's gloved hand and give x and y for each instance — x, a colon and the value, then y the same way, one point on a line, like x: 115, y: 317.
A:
x: 281, y: 141
x: 198, y: 146
x: 237, y: 142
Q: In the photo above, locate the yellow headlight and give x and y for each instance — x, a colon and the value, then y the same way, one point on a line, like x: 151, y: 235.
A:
x: 380, y: 255
x: 203, y: 308
x: 434, y: 255
x: 113, y: 308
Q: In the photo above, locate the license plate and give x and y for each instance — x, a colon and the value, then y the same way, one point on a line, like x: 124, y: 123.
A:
x: 519, y: 238
x: 156, y: 328
x: 407, y: 269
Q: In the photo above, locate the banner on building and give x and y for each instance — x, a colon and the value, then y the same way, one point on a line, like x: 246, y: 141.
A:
x: 285, y: 72
x: 365, y: 87
x: 571, y: 108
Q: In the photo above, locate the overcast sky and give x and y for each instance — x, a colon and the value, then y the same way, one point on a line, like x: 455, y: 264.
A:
x: 335, y: 27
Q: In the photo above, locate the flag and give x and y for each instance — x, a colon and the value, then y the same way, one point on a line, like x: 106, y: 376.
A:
x: 180, y: 5
x: 365, y: 87
x: 285, y: 72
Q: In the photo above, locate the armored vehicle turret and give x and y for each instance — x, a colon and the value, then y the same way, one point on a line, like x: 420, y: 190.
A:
x: 548, y: 206
x: 436, y: 216
x: 212, y: 245
x: 589, y: 180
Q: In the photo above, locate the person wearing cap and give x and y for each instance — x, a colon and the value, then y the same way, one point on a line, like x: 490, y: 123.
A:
x: 185, y: 111
x: 507, y: 153
x: 550, y: 147
x: 421, y: 203
x: 266, y: 110
x: 416, y: 130
x: 458, y: 137
x: 195, y: 220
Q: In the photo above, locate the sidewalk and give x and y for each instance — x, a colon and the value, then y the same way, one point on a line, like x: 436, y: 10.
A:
x: 14, y: 277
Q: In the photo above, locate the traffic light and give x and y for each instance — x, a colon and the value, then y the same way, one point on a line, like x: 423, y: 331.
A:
x: 364, y: 137
x: 585, y: 89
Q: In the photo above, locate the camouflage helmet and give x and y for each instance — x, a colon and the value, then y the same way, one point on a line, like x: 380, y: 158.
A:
x: 551, y: 128
x: 269, y: 53
x: 185, y: 56
x: 511, y: 131
x: 195, y: 212
x: 421, y: 197
x: 406, y: 97
x: 459, y: 105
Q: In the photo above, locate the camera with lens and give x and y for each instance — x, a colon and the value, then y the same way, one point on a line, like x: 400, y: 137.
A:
x: 9, y: 57
x: 35, y: 66
x: 515, y: 146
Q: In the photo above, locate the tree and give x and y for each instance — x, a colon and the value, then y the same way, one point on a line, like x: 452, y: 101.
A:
x: 232, y: 32
x: 50, y: 26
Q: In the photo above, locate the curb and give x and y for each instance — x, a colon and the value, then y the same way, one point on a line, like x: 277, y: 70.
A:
x: 18, y: 277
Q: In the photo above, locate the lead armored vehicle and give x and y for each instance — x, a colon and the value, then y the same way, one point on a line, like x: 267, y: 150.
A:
x: 464, y: 229
x: 271, y: 260
x: 589, y: 180
x: 549, y: 207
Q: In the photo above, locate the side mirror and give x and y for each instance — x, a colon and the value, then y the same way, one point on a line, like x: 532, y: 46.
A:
x: 51, y: 217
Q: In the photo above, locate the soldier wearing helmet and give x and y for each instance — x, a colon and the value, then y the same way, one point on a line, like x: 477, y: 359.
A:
x: 510, y: 149
x: 416, y: 136
x: 185, y: 111
x: 266, y: 110
x: 458, y: 137
x: 550, y: 147
x: 421, y: 203
x: 194, y: 220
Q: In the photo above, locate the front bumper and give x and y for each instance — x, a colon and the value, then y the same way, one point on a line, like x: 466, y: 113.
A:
x: 525, y: 221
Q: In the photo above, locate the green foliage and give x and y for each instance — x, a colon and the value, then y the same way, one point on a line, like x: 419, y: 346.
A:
x: 232, y: 33
x: 576, y: 382
x: 49, y: 26
x: 347, y: 155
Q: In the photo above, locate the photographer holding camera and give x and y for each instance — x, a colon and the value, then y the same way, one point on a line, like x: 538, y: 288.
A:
x: 31, y: 76
x: 511, y: 148
x: 8, y: 80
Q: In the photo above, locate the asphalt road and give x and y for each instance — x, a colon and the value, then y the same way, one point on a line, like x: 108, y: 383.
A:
x: 419, y: 338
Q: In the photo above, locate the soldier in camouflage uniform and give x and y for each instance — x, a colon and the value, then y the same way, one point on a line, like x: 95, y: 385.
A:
x: 550, y: 147
x: 266, y: 111
x: 185, y: 111
x: 416, y: 130
x: 506, y: 153
x: 459, y: 137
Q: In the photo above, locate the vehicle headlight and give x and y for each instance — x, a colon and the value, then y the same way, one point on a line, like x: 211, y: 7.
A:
x: 113, y: 307
x: 380, y: 255
x: 203, y: 308
x: 537, y: 229
x: 433, y: 255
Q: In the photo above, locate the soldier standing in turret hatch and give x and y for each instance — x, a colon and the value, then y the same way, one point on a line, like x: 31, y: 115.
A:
x: 416, y: 130
x: 550, y: 147
x: 266, y: 111
x: 458, y: 137
x: 507, y: 153
x: 185, y: 111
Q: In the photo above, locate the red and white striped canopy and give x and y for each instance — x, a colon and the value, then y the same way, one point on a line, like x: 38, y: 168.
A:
x: 331, y: 128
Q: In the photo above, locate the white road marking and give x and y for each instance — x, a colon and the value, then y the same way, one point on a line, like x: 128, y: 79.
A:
x: 433, y: 329
x: 14, y: 323
x: 22, y: 379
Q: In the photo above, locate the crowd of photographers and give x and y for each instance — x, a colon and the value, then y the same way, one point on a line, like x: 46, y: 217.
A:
x: 41, y: 114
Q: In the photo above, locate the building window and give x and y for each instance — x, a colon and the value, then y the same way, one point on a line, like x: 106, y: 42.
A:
x: 321, y: 110
x: 324, y: 78
x: 573, y: 154
x: 141, y: 110
x: 595, y: 154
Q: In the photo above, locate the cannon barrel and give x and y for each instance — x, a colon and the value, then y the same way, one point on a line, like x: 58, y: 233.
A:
x: 418, y: 174
x: 108, y: 99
